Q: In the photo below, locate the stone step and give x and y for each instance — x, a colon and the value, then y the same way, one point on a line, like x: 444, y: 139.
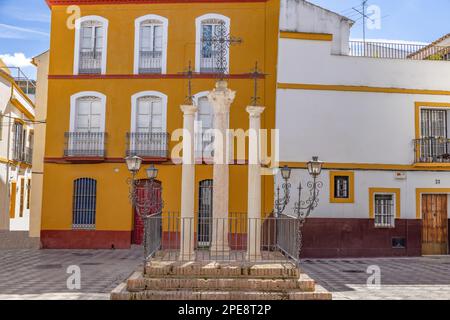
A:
x: 120, y: 293
x: 139, y: 283
x: 155, y: 269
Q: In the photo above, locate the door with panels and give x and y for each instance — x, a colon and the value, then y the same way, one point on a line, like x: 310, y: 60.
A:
x: 434, y: 224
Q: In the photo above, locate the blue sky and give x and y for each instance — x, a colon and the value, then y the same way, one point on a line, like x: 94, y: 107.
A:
x: 25, y: 24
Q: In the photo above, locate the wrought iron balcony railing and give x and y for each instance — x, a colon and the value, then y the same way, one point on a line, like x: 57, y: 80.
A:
x: 148, y: 145
x: 85, y: 144
x: 432, y: 150
x: 90, y: 62
x: 150, y: 62
x: 391, y: 50
x: 210, y: 63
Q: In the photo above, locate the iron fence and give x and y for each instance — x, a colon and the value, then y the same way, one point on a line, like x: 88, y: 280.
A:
x: 150, y: 62
x: 235, y: 238
x: 85, y: 144
x: 432, y: 150
x: 27, y: 85
x: 90, y: 62
x: 155, y: 145
x: 392, y: 50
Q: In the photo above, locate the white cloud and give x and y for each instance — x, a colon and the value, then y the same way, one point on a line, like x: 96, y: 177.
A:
x: 16, y: 60
x: 12, y: 32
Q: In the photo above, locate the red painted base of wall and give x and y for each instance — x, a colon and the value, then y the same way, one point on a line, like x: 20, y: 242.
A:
x: 350, y: 238
x: 85, y: 239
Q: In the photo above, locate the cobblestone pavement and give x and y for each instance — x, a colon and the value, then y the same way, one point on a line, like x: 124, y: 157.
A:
x: 42, y: 274
x: 401, y: 278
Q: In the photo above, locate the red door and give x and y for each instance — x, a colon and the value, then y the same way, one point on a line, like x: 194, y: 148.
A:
x: 152, y: 194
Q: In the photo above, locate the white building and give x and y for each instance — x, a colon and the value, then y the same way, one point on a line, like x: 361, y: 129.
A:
x: 382, y: 126
x: 16, y: 145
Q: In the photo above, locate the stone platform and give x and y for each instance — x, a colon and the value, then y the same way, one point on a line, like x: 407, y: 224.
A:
x: 202, y: 280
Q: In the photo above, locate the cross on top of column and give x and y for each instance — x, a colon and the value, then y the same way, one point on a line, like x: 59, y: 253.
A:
x: 221, y: 42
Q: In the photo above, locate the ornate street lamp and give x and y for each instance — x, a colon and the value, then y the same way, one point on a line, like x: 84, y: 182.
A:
x: 302, y: 208
x: 146, y: 206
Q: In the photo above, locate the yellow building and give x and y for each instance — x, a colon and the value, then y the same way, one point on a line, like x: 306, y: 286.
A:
x: 115, y: 87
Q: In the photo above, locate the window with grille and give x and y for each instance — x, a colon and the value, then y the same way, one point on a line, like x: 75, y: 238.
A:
x: 434, y: 134
x: 91, y: 47
x: 84, y: 203
x: 384, y: 211
x: 151, y: 46
x: 19, y: 136
x: 1, y: 126
x: 341, y: 187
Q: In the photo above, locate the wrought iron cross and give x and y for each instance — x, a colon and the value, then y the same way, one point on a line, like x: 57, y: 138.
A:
x: 189, y: 73
x: 221, y: 42
x: 255, y: 75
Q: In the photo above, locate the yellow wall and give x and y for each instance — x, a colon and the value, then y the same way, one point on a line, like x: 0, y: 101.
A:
x: 255, y: 23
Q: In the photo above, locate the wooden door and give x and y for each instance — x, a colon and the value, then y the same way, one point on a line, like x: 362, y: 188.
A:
x: 22, y: 196
x: 12, y: 201
x: 435, y: 224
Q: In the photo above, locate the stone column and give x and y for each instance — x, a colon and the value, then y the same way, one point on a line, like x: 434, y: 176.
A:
x: 254, y: 185
x: 221, y: 99
x: 187, y: 237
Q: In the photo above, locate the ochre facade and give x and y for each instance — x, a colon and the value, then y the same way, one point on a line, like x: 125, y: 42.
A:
x: 256, y: 23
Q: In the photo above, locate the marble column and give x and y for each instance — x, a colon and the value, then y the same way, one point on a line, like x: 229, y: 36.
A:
x: 221, y: 99
x: 187, y: 223
x: 254, y: 185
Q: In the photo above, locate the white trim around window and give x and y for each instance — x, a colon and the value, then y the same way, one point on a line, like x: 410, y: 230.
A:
x: 137, y: 36
x: 78, y: 23
x: 198, y: 36
x: 134, y: 100
x: 73, y: 107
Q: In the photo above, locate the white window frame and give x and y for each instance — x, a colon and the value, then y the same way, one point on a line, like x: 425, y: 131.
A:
x: 78, y: 24
x: 73, y: 107
x: 137, y: 37
x: 394, y: 209
x: 134, y: 101
x: 198, y: 37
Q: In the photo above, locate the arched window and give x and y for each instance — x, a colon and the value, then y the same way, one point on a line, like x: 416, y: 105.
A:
x: 91, y: 37
x: 84, y: 203
x: 208, y: 29
x: 87, y: 125
x: 150, y: 44
x: 148, y: 136
x: 204, y: 136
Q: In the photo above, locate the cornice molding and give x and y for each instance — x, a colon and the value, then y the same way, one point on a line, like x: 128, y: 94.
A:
x: 51, y: 3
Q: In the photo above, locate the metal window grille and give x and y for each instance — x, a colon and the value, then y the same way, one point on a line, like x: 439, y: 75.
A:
x: 384, y: 211
x: 84, y: 203
x: 341, y: 187
x: 434, y: 143
x: 205, y: 213
x: 1, y: 126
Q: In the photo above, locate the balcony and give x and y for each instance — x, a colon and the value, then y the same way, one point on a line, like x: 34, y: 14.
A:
x: 392, y: 50
x: 150, y: 62
x: 432, y: 150
x: 85, y: 145
x: 90, y: 62
x: 209, y: 63
x: 148, y: 145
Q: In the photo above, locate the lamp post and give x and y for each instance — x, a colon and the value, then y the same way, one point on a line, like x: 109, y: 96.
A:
x: 302, y: 208
x: 148, y: 206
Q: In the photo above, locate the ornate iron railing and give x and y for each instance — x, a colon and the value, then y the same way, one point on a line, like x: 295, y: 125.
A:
x: 90, y: 62
x: 391, y: 50
x: 209, y: 63
x: 276, y: 238
x: 85, y: 144
x: 28, y: 156
x: 432, y: 150
x: 150, y: 62
x: 152, y: 145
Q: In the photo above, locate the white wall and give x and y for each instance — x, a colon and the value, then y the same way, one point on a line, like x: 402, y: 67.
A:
x: 351, y: 127
x: 363, y: 181
x: 302, y: 16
